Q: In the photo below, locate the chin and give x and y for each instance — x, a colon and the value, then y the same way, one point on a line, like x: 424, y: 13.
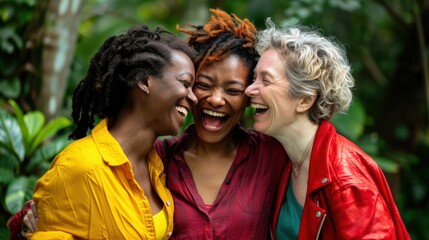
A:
x: 258, y: 127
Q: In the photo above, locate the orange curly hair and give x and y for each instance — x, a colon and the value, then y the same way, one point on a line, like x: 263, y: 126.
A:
x: 222, y: 36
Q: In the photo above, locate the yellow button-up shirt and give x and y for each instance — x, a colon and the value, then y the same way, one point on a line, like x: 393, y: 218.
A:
x: 90, y: 192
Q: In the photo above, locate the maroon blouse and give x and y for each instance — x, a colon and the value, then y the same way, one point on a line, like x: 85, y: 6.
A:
x: 243, y: 205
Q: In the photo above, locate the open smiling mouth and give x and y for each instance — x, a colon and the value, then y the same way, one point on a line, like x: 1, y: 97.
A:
x: 213, y: 120
x: 259, y: 108
x: 182, y: 111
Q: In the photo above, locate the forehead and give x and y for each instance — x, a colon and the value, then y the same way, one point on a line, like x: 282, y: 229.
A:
x: 230, y: 68
x: 269, y: 58
x: 270, y: 62
x: 181, y: 62
x: 178, y: 57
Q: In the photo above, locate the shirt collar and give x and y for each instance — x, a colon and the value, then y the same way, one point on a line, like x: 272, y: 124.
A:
x: 107, y: 145
x: 244, y: 149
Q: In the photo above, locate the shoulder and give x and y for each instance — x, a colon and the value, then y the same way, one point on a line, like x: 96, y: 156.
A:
x: 168, y: 146
x: 352, y: 169
x: 347, y: 153
x: 79, y: 156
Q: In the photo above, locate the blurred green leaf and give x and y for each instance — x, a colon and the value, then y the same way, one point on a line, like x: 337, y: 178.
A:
x: 10, y: 135
x: 21, y: 122
x: 34, y: 122
x: 8, y: 164
x: 189, y: 119
x: 47, y: 152
x: 351, y: 125
x: 369, y: 143
x: 9, y: 39
x: 18, y: 192
x: 48, y: 130
x: 10, y: 87
x: 387, y: 165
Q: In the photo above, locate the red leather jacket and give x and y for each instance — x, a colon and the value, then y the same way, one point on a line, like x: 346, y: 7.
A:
x: 347, y: 194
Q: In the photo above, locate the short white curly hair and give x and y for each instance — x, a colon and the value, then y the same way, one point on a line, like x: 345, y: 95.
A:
x: 312, y: 64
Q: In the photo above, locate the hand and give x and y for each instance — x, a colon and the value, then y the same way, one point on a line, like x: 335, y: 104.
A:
x: 30, y: 219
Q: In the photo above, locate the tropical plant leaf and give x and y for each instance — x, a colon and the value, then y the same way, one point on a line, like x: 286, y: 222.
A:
x: 18, y: 191
x: 48, y: 130
x: 10, y: 135
x: 20, y: 119
x: 34, y: 122
x: 189, y: 119
x: 47, y: 152
x: 10, y: 87
x: 8, y: 164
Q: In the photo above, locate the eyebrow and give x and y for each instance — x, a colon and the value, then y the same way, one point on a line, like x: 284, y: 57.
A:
x: 264, y: 73
x: 228, y: 82
x: 187, y: 73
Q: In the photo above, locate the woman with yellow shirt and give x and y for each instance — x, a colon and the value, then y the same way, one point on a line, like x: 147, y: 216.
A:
x: 111, y: 183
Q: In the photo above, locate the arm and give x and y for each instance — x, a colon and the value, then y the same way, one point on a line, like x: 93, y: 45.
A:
x: 23, y: 222
x: 50, y: 235
x: 360, y: 212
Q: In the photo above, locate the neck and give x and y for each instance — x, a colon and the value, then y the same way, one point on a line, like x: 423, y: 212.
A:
x: 212, y: 151
x: 296, y: 137
x: 135, y: 140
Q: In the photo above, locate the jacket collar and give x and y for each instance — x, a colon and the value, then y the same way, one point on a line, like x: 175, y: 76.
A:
x: 319, y: 174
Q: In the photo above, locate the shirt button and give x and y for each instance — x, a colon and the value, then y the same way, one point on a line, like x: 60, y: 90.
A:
x: 169, y: 234
x: 318, y: 214
x: 227, y: 181
x: 167, y: 202
x: 324, y: 180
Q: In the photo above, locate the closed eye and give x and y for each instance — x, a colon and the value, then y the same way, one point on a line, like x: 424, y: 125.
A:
x: 185, y: 83
x: 234, y: 91
x: 202, y: 86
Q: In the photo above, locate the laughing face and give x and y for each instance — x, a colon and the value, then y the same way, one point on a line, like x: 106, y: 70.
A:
x: 172, y: 95
x: 219, y: 88
x: 275, y: 108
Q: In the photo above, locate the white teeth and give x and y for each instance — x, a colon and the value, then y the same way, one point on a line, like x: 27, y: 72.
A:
x: 258, y: 106
x: 214, y: 114
x: 182, y: 110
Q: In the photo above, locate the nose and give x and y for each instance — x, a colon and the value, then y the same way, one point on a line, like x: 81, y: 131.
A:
x: 252, y: 90
x: 216, y: 98
x: 191, y: 97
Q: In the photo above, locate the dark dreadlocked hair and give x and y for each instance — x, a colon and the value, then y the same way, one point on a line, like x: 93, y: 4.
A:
x: 120, y: 63
x: 222, y: 36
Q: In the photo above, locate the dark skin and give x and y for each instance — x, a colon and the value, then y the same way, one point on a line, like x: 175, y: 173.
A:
x: 134, y: 127
x: 220, y: 91
x: 210, y: 154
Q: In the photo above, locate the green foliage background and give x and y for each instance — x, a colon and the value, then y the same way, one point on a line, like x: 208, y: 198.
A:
x: 385, y: 41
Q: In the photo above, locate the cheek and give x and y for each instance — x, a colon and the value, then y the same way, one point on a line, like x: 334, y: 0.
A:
x: 198, y: 93
x: 278, y: 104
x: 240, y: 103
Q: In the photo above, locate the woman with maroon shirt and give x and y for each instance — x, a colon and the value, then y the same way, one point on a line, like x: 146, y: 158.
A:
x: 221, y: 175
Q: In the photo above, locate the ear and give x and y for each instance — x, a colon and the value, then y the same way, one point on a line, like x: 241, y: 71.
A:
x: 145, y: 84
x: 305, y: 103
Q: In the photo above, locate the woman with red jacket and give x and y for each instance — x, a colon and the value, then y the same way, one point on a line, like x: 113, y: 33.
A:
x: 330, y: 189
